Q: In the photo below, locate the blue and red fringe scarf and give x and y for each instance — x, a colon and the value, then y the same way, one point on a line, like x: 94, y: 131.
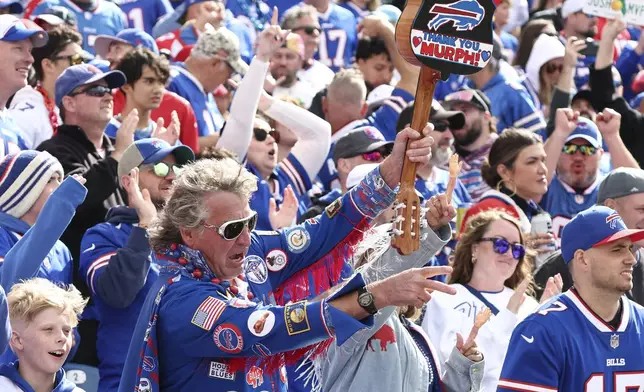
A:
x: 181, y: 262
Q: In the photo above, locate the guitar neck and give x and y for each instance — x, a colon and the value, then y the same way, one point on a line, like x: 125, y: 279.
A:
x: 422, y: 107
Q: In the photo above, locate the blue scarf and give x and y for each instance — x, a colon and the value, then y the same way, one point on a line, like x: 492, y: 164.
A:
x: 175, y: 263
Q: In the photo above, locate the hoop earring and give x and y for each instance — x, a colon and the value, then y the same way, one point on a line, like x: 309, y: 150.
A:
x: 501, y: 182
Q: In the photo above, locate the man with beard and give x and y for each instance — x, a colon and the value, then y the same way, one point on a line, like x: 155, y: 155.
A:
x: 575, y: 149
x: 284, y: 66
x: 116, y: 261
x: 472, y: 140
x: 581, y: 25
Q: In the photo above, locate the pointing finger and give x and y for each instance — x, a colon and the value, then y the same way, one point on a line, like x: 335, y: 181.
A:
x: 274, y: 18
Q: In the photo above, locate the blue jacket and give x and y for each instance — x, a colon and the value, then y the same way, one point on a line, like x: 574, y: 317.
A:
x: 116, y: 263
x: 36, y: 251
x: 512, y: 106
x: 61, y: 383
x: 201, y: 329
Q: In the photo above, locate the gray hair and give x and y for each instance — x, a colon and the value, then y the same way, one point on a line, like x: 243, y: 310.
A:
x: 290, y: 18
x: 186, y: 206
x: 348, y: 87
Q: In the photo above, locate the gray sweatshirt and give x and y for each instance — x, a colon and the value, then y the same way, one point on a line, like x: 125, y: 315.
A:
x: 386, y: 357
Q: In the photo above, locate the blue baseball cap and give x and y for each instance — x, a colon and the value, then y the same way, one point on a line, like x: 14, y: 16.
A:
x: 81, y: 74
x: 134, y: 37
x: 588, y: 131
x: 152, y: 150
x: 598, y: 225
x: 13, y: 29
x: 14, y: 6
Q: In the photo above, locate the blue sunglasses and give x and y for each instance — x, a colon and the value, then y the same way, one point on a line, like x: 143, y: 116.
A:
x: 501, y: 246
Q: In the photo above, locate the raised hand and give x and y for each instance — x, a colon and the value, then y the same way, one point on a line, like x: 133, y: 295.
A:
x: 565, y: 121
x: 553, y: 288
x: 439, y: 212
x: 608, y: 122
x: 519, y: 296
x: 139, y: 199
x: 371, y: 25
x: 418, y: 151
x: 287, y: 212
x: 411, y: 287
x: 574, y: 46
x: 469, y: 350
x: 270, y: 39
x: 82, y: 180
x: 537, y: 241
x: 170, y: 134
x: 125, y: 134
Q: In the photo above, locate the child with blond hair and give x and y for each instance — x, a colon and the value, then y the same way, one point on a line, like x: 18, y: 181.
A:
x: 42, y: 317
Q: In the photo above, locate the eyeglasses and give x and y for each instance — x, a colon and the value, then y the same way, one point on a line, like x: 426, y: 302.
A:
x: 501, y: 246
x: 552, y: 68
x: 373, y: 156
x: 233, y: 229
x: 162, y: 169
x: 585, y: 150
x: 74, y: 59
x: 261, y: 134
x: 468, y: 96
x: 440, y: 126
x: 309, y: 30
x: 93, y: 91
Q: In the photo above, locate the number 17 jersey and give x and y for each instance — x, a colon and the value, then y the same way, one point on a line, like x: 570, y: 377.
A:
x: 565, y: 346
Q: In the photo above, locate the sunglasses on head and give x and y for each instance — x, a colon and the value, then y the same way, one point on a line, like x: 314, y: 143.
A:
x: 585, y: 150
x: 233, y: 229
x: 261, y: 134
x: 552, y: 68
x: 74, y: 59
x: 501, y: 246
x: 93, y: 91
x: 162, y: 169
x: 309, y: 30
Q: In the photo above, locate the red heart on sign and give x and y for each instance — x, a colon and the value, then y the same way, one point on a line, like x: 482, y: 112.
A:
x: 416, y: 41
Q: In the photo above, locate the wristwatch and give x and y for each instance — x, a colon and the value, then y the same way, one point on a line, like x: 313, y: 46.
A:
x: 366, y: 301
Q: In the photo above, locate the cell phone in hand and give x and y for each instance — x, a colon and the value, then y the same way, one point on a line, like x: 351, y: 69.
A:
x: 591, y: 49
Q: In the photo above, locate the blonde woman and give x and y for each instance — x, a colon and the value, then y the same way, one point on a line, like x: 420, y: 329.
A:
x: 492, y: 268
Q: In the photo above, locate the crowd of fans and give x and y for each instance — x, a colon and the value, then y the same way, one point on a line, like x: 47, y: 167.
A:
x: 199, y: 195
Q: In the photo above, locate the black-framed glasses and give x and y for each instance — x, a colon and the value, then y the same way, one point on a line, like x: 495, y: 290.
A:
x: 74, y: 59
x: 162, y: 169
x: 585, y: 150
x: 440, y: 126
x: 93, y: 91
x: 309, y: 30
x: 501, y: 246
x: 232, y: 229
x: 261, y: 134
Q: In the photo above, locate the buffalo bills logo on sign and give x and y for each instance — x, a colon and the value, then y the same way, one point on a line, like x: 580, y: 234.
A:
x: 464, y: 14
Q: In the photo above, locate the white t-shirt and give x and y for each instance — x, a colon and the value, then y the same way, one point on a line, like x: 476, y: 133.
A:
x: 318, y: 75
x: 300, y: 90
x: 30, y: 113
x: 445, y: 315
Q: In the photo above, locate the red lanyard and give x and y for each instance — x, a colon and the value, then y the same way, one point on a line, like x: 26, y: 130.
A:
x: 51, y: 106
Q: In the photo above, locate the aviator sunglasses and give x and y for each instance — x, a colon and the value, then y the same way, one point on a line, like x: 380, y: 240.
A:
x: 501, y: 246
x: 585, y: 150
x: 162, y: 169
x: 233, y: 229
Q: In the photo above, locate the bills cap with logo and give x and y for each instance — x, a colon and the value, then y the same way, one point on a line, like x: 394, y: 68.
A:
x: 79, y: 75
x: 596, y: 226
x: 223, y: 44
x: 360, y: 141
x: 13, y: 29
x: 134, y: 37
x: 588, y: 131
x: 152, y: 150
x: 620, y: 182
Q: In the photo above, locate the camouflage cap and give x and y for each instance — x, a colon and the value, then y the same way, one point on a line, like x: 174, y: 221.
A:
x: 223, y: 44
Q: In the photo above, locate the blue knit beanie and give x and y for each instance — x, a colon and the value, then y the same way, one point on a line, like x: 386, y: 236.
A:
x: 23, y: 176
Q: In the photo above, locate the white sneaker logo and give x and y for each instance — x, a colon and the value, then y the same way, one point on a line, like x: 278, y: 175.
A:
x: 90, y: 248
x: 529, y: 340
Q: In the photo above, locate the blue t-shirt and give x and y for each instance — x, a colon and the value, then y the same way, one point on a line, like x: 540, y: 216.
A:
x: 339, y: 38
x: 144, y: 14
x: 106, y: 19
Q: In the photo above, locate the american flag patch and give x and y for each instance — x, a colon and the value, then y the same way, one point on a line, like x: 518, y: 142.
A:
x: 208, y: 312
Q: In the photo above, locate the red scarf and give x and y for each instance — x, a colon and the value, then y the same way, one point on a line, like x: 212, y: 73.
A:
x: 51, y: 106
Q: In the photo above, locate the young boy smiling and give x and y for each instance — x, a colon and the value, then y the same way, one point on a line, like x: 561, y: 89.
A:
x: 42, y: 317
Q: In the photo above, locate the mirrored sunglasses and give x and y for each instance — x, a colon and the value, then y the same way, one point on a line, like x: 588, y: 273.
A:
x: 232, y: 229
x: 74, y: 59
x: 585, y: 150
x: 373, y: 156
x: 162, y: 169
x: 501, y: 246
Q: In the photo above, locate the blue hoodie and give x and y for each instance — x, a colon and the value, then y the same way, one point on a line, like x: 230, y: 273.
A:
x: 10, y: 371
x: 117, y: 265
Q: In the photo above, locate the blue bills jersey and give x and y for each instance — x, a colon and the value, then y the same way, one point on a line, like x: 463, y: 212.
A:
x: 565, y: 347
x: 144, y: 14
x: 339, y: 38
x: 106, y: 19
x: 562, y: 202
